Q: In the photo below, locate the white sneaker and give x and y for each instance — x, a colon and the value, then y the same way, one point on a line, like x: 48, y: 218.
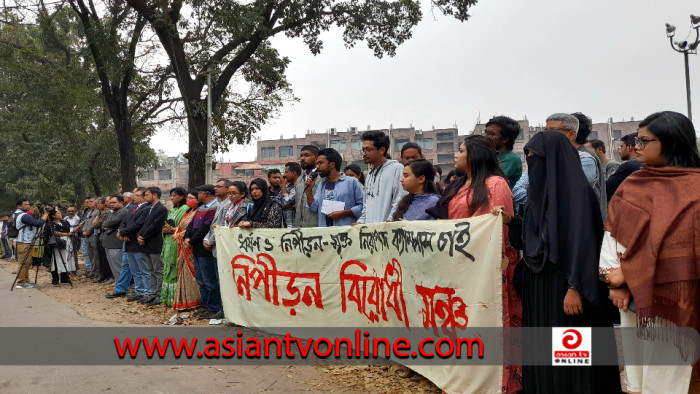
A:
x: 28, y: 285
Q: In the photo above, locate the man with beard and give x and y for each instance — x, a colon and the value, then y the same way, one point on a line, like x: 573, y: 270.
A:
x: 304, y: 217
x: 338, y: 200
x: 628, y: 154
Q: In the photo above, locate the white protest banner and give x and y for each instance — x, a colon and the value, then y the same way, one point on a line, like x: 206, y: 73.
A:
x: 444, y: 273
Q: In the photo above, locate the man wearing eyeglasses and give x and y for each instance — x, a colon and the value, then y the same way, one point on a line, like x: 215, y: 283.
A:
x: 221, y: 193
x: 628, y: 153
x: 383, y: 189
x: 568, y: 125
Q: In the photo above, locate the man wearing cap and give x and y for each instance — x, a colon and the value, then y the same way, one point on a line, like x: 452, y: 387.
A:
x: 205, y: 268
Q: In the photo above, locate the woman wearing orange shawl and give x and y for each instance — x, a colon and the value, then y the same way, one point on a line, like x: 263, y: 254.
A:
x: 187, y: 294
x: 651, y: 248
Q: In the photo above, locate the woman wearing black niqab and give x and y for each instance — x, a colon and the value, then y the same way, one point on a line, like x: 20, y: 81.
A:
x: 562, y: 235
x: 264, y: 212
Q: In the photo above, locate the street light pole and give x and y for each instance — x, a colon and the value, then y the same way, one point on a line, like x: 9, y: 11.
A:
x: 208, y: 158
x: 687, y: 85
x: 686, y: 48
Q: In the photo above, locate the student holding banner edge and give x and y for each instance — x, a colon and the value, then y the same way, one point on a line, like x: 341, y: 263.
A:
x: 485, y: 190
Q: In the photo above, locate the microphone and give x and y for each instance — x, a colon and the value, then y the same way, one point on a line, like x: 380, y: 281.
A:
x: 313, y: 176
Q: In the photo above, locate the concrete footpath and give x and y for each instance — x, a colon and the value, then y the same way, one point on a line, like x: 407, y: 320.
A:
x: 32, y: 308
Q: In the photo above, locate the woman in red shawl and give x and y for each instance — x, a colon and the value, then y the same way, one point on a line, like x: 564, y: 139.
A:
x: 485, y: 190
x: 650, y: 256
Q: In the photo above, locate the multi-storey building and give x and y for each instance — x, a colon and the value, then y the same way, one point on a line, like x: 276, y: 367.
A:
x: 610, y: 133
x: 438, y: 146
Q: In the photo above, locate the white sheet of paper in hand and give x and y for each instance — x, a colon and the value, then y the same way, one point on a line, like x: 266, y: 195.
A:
x: 329, y: 206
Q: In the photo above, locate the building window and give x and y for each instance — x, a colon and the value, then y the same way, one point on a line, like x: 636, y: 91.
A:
x: 339, y: 145
x: 399, y: 143
x: 446, y: 146
x: 617, y: 135
x: 445, y: 136
x: 267, y: 153
x: 356, y: 145
x: 299, y: 150
x: 148, y: 175
x: 320, y: 145
x: 445, y: 159
x: 165, y: 175
x: 521, y: 136
x: 593, y: 136
x: 425, y: 143
x: 286, y: 151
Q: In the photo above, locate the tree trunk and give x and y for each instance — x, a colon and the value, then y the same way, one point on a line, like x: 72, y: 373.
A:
x: 197, y: 150
x: 80, y: 192
x: 127, y: 156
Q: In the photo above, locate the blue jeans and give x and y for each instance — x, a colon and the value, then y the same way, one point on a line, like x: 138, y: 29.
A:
x: 137, y: 266
x: 83, y: 248
x: 207, y: 275
x: 8, y: 249
x: 124, y: 279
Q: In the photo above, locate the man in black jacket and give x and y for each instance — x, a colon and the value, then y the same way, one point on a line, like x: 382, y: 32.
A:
x: 631, y: 164
x: 128, y: 231
x: 112, y: 244
x: 150, y: 238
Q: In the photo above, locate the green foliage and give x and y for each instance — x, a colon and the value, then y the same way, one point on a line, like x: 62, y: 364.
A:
x: 231, y: 40
x: 56, y: 138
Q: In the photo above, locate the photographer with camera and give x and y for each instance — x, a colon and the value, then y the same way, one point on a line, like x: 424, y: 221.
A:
x: 26, y: 227
x: 60, y: 246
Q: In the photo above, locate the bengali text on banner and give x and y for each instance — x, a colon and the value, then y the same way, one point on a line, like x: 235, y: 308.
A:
x: 410, y: 274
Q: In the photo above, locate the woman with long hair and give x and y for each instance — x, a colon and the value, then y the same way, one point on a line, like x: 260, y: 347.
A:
x: 61, y: 259
x: 169, y: 253
x: 650, y: 248
x: 238, y: 193
x: 484, y: 190
x: 264, y: 211
x: 187, y: 295
x: 418, y: 180
x: 355, y: 171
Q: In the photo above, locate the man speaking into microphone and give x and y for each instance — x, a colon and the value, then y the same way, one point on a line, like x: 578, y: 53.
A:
x: 304, y: 217
x: 338, y: 200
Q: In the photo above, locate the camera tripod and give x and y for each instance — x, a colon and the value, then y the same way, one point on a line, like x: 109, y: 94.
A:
x: 27, y: 256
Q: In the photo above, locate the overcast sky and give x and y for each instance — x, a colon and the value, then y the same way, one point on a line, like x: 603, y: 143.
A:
x: 605, y: 58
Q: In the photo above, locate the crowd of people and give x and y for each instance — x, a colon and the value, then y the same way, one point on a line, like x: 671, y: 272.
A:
x: 588, y: 241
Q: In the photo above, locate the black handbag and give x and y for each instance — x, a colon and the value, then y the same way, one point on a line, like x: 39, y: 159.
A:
x: 515, y: 229
x: 61, y: 243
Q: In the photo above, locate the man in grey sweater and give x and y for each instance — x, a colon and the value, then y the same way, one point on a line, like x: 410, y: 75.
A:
x: 383, y: 189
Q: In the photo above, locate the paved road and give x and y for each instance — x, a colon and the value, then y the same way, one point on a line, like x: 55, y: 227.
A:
x: 32, y: 308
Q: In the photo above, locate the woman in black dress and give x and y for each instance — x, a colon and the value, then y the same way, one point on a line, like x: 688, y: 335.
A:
x: 264, y: 211
x: 562, y: 235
